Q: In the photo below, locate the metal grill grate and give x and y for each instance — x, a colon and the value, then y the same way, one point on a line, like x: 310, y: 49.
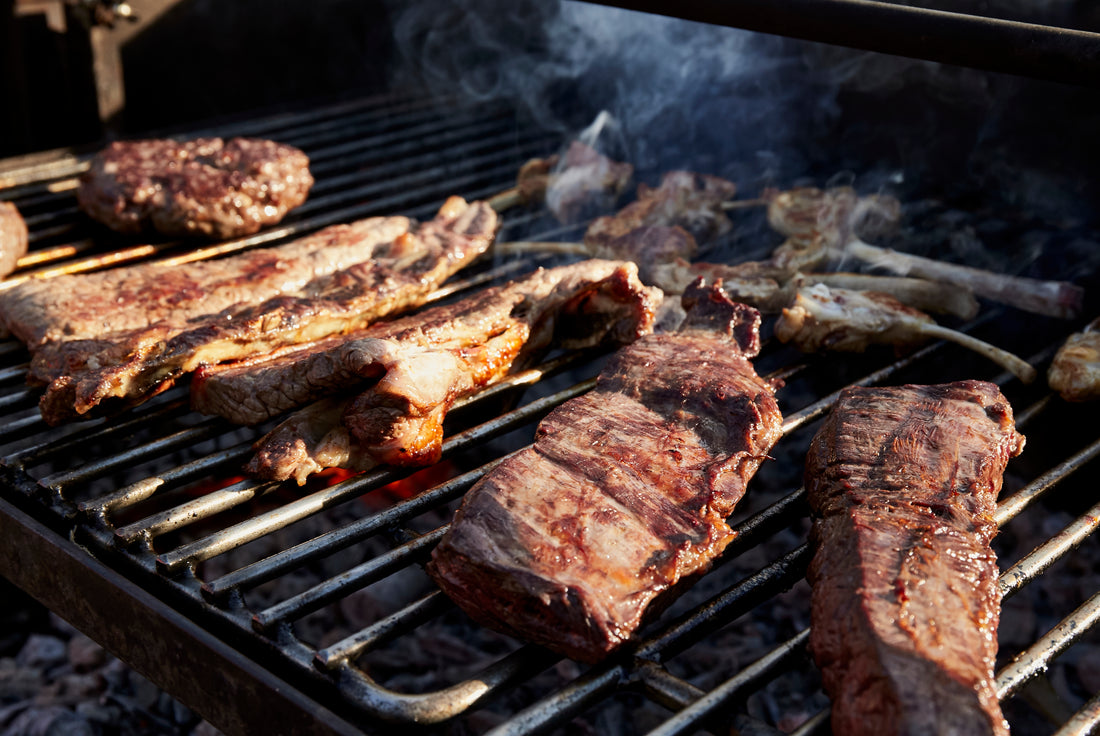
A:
x: 276, y: 571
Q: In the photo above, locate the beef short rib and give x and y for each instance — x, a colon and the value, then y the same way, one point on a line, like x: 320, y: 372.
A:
x: 624, y: 493
x: 206, y: 187
x: 903, y: 483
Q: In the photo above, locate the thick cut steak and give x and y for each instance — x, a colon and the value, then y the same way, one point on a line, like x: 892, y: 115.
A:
x: 391, y: 277
x: 207, y: 187
x: 903, y: 483
x: 397, y: 380
x: 625, y: 492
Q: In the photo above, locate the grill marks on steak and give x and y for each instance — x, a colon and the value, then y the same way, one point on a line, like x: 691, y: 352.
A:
x: 903, y: 484
x: 624, y: 493
x: 391, y: 277
x: 206, y: 186
x: 405, y: 375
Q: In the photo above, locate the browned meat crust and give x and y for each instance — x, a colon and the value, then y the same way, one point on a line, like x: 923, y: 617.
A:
x: 903, y: 483
x: 203, y: 187
x: 13, y: 237
x: 407, y: 374
x: 625, y: 492
x: 398, y: 275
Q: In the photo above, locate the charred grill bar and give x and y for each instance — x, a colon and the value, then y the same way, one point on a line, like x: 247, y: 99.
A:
x: 141, y: 531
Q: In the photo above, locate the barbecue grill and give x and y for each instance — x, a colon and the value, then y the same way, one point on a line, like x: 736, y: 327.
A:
x: 306, y: 609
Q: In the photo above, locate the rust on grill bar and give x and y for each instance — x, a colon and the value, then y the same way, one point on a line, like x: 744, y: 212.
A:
x: 306, y: 597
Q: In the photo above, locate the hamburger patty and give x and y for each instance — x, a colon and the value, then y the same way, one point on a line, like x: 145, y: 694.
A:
x: 206, y: 187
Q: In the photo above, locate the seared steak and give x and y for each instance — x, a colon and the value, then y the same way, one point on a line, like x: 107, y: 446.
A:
x: 394, y: 276
x: 13, y: 237
x: 903, y: 484
x: 623, y: 496
x: 201, y: 187
x: 400, y: 378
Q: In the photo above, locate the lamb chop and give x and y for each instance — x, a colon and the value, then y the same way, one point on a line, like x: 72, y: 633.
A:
x: 1075, y: 370
x: 689, y: 200
x: 831, y: 224
x: 572, y: 186
x: 820, y: 318
x: 623, y: 498
x: 206, y: 187
x: 902, y: 484
x: 13, y: 237
x: 396, y: 381
x: 132, y: 366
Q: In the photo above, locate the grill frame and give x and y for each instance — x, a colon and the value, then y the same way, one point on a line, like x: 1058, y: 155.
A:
x: 80, y: 538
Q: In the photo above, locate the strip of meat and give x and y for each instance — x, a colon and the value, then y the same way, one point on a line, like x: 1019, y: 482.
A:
x: 405, y: 376
x: 903, y: 483
x: 1075, y: 370
x: 13, y: 237
x: 92, y: 310
x: 623, y: 497
x: 206, y: 187
x: 820, y: 318
x: 399, y: 275
x: 572, y: 186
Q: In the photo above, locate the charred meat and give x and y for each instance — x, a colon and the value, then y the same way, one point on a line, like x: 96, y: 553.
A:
x: 206, y: 187
x: 399, y: 379
x: 391, y: 277
x: 903, y: 483
x: 624, y: 495
x: 13, y: 237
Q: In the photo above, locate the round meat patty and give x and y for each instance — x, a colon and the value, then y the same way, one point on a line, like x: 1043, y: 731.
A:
x: 202, y: 187
x: 13, y: 237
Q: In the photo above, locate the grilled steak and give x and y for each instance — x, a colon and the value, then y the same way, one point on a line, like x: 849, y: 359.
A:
x: 396, y: 275
x: 404, y: 375
x: 623, y: 496
x: 13, y: 237
x: 575, y: 185
x: 903, y: 483
x: 202, y: 187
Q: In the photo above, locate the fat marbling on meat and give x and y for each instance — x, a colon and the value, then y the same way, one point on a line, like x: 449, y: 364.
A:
x: 624, y: 495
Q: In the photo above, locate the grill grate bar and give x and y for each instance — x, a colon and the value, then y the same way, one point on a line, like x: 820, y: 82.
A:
x: 401, y: 622
x: 1034, y: 660
x: 348, y: 581
x: 144, y: 489
x: 1084, y: 721
x: 280, y: 563
x: 759, y: 672
x: 95, y: 430
x: 127, y: 458
x: 1045, y: 555
x: 195, y: 510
